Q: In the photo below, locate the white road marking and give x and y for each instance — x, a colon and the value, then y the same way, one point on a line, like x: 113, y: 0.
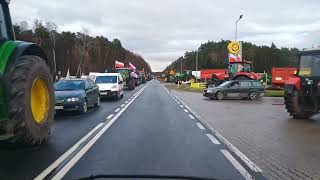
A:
x: 110, y: 116
x: 243, y: 157
x: 56, y: 163
x: 213, y: 139
x: 60, y: 174
x: 178, y: 102
x: 185, y: 110
x: 122, y: 105
x: 126, y: 102
x: 181, y: 106
x: 117, y: 110
x: 200, y: 126
x: 236, y: 164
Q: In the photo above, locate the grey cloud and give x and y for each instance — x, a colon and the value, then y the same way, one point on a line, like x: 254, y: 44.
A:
x: 161, y: 31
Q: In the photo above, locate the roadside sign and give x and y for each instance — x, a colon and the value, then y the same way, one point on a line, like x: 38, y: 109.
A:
x: 234, y: 47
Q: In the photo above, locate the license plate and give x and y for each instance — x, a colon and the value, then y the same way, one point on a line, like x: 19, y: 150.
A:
x: 103, y: 93
x: 58, y: 107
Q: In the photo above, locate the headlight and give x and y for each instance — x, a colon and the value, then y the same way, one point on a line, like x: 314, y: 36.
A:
x: 209, y: 90
x: 114, y: 87
x: 73, y: 99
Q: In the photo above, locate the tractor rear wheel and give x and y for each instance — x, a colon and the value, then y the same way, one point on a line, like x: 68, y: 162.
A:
x: 293, y: 107
x: 30, y: 99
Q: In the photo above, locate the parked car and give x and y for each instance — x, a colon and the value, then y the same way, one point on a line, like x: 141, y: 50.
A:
x: 76, y: 95
x: 110, y: 84
x: 250, y: 89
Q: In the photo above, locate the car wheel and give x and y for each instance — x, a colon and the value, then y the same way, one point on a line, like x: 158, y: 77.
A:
x: 97, y: 104
x: 219, y: 95
x: 253, y: 96
x: 84, y: 108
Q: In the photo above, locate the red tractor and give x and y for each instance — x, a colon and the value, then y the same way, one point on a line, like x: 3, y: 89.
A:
x: 240, y: 70
x: 302, y: 91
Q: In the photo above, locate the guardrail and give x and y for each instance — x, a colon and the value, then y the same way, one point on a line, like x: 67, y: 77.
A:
x: 199, y: 85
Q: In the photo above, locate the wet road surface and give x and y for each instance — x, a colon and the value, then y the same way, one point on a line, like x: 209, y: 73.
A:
x: 284, y: 148
x: 147, y: 132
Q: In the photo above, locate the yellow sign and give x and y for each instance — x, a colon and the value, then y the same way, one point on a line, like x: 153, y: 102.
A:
x: 305, y: 72
x: 171, y: 72
x: 234, y: 47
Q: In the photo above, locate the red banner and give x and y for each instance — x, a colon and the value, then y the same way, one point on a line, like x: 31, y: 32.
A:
x: 119, y: 64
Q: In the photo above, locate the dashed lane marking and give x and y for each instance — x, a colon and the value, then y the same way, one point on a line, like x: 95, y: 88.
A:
x: 213, y: 139
x: 200, y: 126
x: 185, y: 110
x: 181, y: 106
x: 122, y: 105
x: 236, y: 164
x: 110, y: 116
x: 117, y: 110
x: 126, y: 102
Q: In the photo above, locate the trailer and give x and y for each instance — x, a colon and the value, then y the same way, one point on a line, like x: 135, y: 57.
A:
x: 281, y: 75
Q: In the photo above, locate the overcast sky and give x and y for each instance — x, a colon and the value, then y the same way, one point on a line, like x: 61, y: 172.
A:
x: 162, y: 30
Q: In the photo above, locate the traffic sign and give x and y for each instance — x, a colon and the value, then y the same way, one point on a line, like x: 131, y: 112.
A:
x: 234, y: 47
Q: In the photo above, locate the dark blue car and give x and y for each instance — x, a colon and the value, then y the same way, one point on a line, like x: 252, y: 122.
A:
x: 76, y: 95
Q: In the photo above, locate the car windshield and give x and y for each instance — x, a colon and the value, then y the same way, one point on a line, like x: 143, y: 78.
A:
x: 310, y: 65
x: 224, y: 84
x: 106, y: 79
x: 69, y: 85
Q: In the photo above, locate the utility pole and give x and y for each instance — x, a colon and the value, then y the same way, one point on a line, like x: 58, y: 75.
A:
x: 181, y: 66
x: 236, y: 33
x: 197, y: 65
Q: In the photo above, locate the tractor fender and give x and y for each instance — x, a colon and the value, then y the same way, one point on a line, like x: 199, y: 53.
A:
x: 241, y: 76
x: 26, y: 48
x: 291, y: 84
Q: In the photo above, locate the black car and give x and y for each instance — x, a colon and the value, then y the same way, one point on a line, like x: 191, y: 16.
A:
x: 76, y: 95
x: 250, y: 89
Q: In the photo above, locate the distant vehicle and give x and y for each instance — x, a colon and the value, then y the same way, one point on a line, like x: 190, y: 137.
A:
x: 250, y: 89
x: 129, y: 77
x: 76, y: 95
x: 110, y: 84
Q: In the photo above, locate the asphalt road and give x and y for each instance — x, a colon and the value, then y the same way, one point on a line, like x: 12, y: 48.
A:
x: 147, y: 132
x: 283, y: 147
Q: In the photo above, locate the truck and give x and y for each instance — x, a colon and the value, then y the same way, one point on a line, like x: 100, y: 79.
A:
x: 26, y: 87
x: 281, y: 75
x: 128, y: 76
x: 302, y: 91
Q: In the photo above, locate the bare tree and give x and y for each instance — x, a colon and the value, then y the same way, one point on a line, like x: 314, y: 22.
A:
x: 52, y: 28
x: 83, y: 47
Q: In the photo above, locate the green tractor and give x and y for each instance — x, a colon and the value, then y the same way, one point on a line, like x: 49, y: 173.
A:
x: 129, y: 80
x: 26, y: 87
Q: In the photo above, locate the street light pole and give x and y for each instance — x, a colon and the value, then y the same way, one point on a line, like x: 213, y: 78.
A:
x: 197, y: 65
x: 236, y: 33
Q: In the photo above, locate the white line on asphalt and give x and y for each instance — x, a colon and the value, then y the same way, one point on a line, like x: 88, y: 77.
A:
x: 178, y: 102
x: 126, y: 102
x: 110, y: 116
x: 191, y: 116
x: 236, y: 164
x: 60, y: 174
x: 185, y: 110
x: 213, y: 139
x: 181, y: 106
x: 243, y: 157
x: 56, y: 163
x: 200, y: 126
x: 117, y: 110
x: 122, y: 105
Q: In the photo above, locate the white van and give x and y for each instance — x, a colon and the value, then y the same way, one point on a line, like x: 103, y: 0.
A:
x: 110, y: 84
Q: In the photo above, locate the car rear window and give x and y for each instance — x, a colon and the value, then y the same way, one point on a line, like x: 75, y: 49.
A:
x: 256, y: 83
x: 245, y: 83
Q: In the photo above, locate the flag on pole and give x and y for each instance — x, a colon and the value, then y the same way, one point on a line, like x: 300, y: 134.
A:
x: 68, y: 75
x: 119, y: 64
x: 131, y: 66
x: 234, y: 58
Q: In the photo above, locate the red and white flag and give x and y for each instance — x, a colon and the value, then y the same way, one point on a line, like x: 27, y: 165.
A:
x: 234, y: 58
x: 131, y: 66
x: 119, y: 64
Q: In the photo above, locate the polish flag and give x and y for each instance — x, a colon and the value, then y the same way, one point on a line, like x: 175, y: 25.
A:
x: 119, y: 64
x: 234, y: 58
x: 131, y: 66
